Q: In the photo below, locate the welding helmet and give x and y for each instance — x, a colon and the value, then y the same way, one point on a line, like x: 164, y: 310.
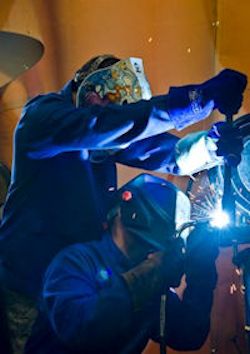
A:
x: 122, y: 82
x: 151, y: 208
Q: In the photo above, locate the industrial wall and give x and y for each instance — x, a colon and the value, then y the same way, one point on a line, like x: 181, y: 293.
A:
x: 181, y: 42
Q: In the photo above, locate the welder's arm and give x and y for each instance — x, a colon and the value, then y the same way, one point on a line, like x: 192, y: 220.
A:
x: 49, y: 125
x: 166, y: 153
x: 154, y: 275
x: 188, y: 320
x: 78, y: 301
x: 223, y: 92
x: 206, y: 149
x: 156, y: 153
x: 196, y: 151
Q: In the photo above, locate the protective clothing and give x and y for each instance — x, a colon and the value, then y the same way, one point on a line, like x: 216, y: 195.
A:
x: 240, y: 175
x: 57, y: 195
x: 226, y: 90
x: 122, y: 82
x: 86, y: 307
x: 202, y: 243
x: 152, y: 209
x: 158, y: 272
x: 223, y: 92
x: 91, y: 66
x: 229, y: 142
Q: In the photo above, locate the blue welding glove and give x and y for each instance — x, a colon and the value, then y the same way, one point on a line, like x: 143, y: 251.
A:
x: 229, y: 142
x: 192, y: 103
x: 201, y: 253
x: 226, y: 90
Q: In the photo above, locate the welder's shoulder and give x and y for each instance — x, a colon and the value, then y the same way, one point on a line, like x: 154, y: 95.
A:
x: 38, y: 111
x: 42, y: 104
x: 78, y: 249
x: 77, y: 255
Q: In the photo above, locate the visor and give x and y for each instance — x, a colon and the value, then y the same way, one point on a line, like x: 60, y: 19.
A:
x: 152, y: 209
x: 120, y: 83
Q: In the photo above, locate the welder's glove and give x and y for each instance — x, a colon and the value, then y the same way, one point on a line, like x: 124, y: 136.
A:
x: 192, y: 103
x: 159, y: 271
x: 229, y: 142
x: 201, y: 253
x: 226, y: 90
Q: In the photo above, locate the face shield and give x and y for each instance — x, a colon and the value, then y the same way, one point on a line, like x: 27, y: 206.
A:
x: 152, y: 209
x: 121, y: 83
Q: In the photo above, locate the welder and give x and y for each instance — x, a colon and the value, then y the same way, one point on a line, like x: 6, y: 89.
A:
x: 67, y: 144
x: 104, y: 296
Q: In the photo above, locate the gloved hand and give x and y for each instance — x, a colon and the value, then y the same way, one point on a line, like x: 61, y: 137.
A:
x: 171, y: 262
x: 153, y: 275
x: 202, y: 251
x: 229, y: 142
x: 226, y: 90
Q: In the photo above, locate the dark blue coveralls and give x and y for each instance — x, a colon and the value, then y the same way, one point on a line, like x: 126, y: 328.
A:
x: 57, y: 195
x: 86, y: 306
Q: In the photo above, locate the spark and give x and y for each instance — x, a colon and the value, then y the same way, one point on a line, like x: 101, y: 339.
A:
x: 242, y: 289
x: 219, y: 218
x: 206, y: 195
x: 238, y: 271
x: 233, y: 288
x: 205, y: 198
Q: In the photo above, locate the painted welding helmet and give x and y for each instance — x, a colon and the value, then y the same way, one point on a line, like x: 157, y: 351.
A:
x: 120, y: 83
x: 152, y: 209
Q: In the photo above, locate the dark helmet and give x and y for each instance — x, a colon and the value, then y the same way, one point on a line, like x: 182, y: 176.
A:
x: 151, y: 208
x: 92, y: 65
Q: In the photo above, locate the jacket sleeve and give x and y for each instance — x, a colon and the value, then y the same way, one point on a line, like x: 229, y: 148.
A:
x: 187, y: 319
x: 79, y: 298
x: 167, y: 153
x: 51, y: 125
x: 156, y: 153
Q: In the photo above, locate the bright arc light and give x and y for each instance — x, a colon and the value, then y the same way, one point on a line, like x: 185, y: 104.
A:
x: 219, y: 218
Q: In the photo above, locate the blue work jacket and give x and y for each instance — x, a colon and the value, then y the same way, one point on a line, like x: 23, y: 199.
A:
x: 58, y: 195
x: 87, y: 308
